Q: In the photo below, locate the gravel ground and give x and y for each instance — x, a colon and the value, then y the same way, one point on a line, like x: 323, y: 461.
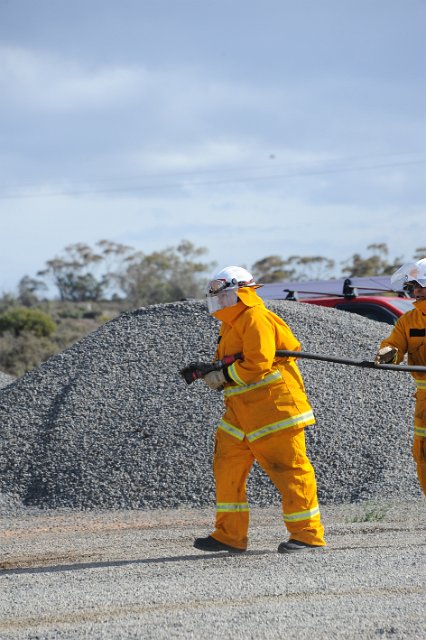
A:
x: 110, y: 424
x: 73, y: 575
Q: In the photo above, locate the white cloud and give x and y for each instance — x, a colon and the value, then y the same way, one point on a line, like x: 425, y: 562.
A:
x: 224, y: 158
x: 32, y: 80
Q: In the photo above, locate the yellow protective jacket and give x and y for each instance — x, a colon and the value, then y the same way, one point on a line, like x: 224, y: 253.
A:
x: 266, y: 394
x: 409, y: 337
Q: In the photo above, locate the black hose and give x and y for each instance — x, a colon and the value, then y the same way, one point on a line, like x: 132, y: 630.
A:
x: 355, y: 363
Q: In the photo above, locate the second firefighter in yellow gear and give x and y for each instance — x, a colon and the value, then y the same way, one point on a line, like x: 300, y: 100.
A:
x: 266, y: 411
x: 409, y: 337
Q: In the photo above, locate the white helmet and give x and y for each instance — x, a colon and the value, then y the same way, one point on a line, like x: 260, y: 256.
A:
x: 409, y: 274
x: 222, y: 289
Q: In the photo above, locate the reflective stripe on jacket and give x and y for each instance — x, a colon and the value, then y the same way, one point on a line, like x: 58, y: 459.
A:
x: 301, y: 420
x: 243, y: 388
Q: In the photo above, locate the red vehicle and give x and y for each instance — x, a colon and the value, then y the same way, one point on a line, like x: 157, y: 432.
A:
x: 344, y: 294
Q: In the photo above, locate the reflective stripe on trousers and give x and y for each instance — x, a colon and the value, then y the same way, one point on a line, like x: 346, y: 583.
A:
x: 421, y: 384
x: 420, y: 431
x: 301, y: 515
x: 232, y: 507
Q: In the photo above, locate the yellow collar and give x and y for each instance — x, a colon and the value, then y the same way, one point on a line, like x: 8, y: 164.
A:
x: 247, y: 298
x: 420, y: 305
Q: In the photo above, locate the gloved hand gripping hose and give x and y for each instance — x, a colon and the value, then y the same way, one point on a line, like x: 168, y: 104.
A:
x: 196, y: 370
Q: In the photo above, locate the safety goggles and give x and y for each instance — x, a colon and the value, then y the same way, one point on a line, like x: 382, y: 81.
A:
x: 411, y: 285
x: 216, y: 286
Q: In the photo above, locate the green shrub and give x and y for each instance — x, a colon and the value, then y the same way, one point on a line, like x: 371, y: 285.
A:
x: 19, y: 354
x: 18, y: 320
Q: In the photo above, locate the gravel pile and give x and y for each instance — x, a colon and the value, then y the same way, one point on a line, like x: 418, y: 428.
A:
x: 109, y: 423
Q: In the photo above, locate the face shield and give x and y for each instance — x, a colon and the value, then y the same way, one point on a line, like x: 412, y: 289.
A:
x: 221, y: 295
x: 221, y: 300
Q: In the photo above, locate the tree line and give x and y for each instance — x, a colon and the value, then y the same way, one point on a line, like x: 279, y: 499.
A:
x: 113, y: 271
x: 95, y: 284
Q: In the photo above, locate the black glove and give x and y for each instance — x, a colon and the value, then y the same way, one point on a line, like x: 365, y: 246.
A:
x: 196, y: 370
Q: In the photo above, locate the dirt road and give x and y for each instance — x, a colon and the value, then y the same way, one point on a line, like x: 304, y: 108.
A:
x: 135, y: 574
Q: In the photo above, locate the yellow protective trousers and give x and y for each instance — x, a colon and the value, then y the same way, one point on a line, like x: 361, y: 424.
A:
x: 419, y: 455
x: 283, y: 457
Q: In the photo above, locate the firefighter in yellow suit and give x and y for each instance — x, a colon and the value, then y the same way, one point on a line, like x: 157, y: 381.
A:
x: 409, y: 337
x: 266, y: 411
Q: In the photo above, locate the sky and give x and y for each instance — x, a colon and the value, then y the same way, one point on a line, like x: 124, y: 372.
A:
x: 248, y: 127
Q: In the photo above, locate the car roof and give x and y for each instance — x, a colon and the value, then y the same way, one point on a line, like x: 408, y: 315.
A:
x: 334, y: 287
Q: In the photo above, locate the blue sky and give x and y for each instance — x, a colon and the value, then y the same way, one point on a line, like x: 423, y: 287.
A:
x: 249, y: 127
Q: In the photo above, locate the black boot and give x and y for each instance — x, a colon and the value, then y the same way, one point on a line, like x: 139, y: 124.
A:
x: 293, y: 546
x: 211, y: 544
